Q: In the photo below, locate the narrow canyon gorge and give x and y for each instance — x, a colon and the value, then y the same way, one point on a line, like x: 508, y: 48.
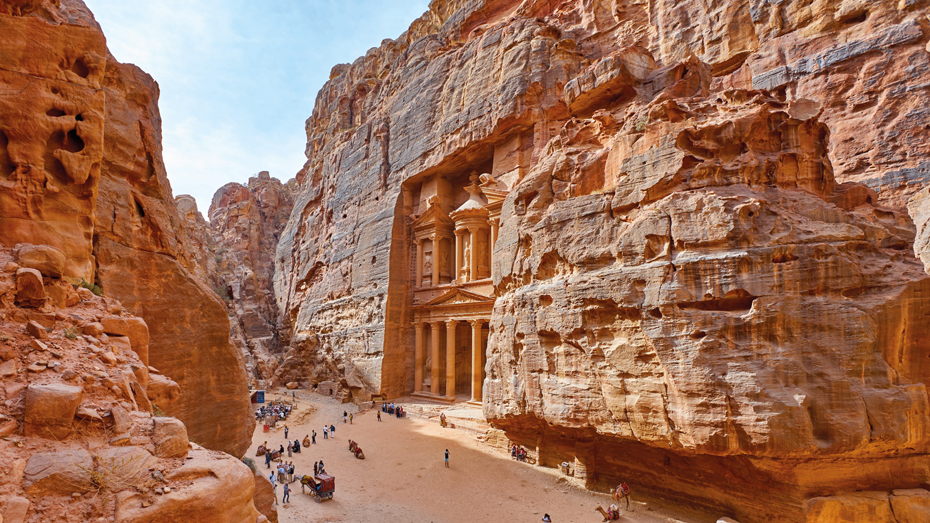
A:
x: 680, y: 244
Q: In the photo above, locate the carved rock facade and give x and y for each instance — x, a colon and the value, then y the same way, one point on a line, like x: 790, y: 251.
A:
x: 690, y: 290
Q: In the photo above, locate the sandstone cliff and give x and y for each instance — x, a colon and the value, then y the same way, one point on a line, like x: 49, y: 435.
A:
x: 81, y: 170
x: 693, y: 287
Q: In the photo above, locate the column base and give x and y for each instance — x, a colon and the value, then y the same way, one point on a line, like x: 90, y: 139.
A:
x: 474, y: 403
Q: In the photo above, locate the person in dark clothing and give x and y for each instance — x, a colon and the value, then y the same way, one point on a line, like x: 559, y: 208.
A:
x: 268, y: 459
x: 447, y: 458
x: 313, y: 438
x: 287, y: 494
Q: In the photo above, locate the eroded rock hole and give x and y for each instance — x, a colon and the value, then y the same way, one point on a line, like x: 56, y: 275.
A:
x: 545, y: 300
x: 55, y: 112
x: 735, y: 300
x: 80, y: 68
x: 656, y: 313
x: 374, y: 259
x: 79, y: 117
x: 6, y: 168
x: 696, y: 335
x: 139, y: 208
x: 73, y: 142
x: 784, y: 257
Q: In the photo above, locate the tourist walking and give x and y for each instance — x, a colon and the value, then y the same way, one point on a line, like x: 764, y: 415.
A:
x: 322, y: 470
x: 345, y: 417
x: 285, y: 432
x: 289, y: 448
x: 332, y: 430
x: 350, y: 419
x: 290, y: 473
x: 313, y: 439
x: 287, y: 494
x: 267, y: 458
x: 447, y: 458
x: 547, y: 519
x: 379, y: 415
x: 325, y: 432
x: 316, y: 468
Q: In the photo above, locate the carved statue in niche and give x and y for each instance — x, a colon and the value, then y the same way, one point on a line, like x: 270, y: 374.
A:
x: 466, y: 260
x: 427, y: 370
x: 428, y: 267
x: 444, y: 261
x: 483, y: 254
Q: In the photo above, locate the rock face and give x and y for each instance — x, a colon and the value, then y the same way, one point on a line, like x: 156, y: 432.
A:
x: 83, y: 181
x: 702, y: 266
x: 143, y: 262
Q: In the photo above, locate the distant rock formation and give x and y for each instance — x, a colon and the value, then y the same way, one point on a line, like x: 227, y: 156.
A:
x: 237, y: 249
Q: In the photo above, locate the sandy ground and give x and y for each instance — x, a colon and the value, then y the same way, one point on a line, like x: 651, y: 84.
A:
x: 403, y: 477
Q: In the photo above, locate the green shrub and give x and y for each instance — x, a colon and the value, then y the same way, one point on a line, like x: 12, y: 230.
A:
x: 89, y: 286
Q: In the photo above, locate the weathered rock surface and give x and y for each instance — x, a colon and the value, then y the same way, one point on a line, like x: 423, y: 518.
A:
x: 218, y: 488
x: 170, y: 438
x: 82, y: 174
x: 80, y: 420
x: 50, y: 408
x: 689, y: 279
x: 265, y: 497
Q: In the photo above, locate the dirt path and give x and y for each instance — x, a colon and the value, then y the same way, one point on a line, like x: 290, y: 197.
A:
x: 403, y: 478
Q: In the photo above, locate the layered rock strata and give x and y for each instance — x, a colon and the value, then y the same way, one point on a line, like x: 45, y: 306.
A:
x: 81, y: 171
x: 693, y: 293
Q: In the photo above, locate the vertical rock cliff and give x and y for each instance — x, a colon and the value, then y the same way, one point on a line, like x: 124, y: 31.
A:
x: 81, y: 170
x: 703, y: 278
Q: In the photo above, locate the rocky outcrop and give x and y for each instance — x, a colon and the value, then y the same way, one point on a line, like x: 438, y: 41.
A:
x: 81, y: 171
x: 704, y: 275
x: 234, y: 256
x: 78, y: 427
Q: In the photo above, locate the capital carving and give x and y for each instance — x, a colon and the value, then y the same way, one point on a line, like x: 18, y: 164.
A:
x: 450, y: 324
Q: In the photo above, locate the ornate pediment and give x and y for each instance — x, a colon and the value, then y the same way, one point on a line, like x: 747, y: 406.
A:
x: 460, y: 297
x: 432, y: 220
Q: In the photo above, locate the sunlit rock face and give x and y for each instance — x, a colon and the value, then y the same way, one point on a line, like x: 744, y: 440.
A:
x: 81, y: 171
x: 704, y: 276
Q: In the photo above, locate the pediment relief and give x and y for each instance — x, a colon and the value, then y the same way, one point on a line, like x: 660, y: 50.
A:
x: 433, y: 216
x: 459, y: 297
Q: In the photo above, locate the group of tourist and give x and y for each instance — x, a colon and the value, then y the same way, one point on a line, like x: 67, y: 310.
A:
x: 272, y: 413
x: 396, y: 410
x: 518, y: 453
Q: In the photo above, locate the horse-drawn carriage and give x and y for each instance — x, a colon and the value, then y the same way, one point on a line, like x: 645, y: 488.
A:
x: 322, y: 487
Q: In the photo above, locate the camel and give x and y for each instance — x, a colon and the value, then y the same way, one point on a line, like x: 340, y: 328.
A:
x: 622, y: 492
x: 612, y: 513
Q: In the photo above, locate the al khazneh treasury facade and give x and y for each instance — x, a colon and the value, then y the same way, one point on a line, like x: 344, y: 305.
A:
x: 453, y: 228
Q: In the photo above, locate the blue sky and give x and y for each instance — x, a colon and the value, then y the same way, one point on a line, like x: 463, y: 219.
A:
x: 238, y: 78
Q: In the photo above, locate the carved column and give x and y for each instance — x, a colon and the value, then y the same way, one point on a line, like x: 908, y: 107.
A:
x: 434, y: 376
x: 492, y: 241
x: 450, y: 358
x: 419, y: 282
x: 418, y: 359
x: 473, y: 261
x: 458, y: 255
x: 476, y: 363
x: 435, y: 239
